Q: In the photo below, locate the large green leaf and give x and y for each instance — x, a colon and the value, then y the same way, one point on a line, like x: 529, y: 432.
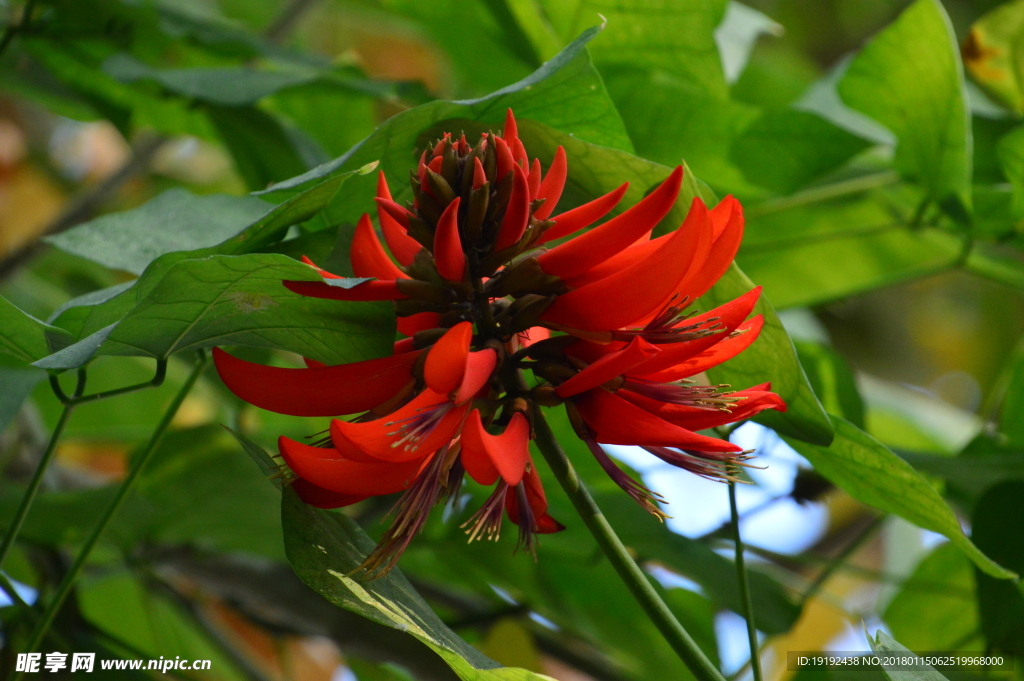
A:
x: 566, y: 93
x: 673, y: 36
x: 934, y: 608
x: 833, y: 382
x: 176, y: 220
x: 17, y: 386
x: 23, y: 338
x: 595, y: 170
x: 909, y: 78
x: 324, y: 548
x: 239, y: 300
x: 868, y: 471
x: 998, y: 531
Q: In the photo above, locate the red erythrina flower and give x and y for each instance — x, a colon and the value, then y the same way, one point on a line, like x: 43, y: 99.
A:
x: 478, y: 295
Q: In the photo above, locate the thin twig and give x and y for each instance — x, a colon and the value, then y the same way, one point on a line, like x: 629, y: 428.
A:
x: 285, y: 22
x: 138, y: 463
x: 741, y: 572
x: 851, y: 548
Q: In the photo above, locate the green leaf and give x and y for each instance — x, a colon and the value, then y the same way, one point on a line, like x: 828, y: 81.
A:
x: 1011, y: 407
x: 239, y: 300
x: 970, y: 474
x: 909, y: 78
x: 868, y: 471
x: 595, y: 170
x: 24, y: 338
x: 672, y: 36
x: 266, y: 463
x: 788, y: 149
x: 566, y: 93
x: 1010, y: 150
x: 998, y: 262
x: 324, y: 548
x: 175, y: 220
x: 994, y: 51
x: 997, y: 530
x: 225, y: 86
x: 833, y: 382
x: 883, y: 644
x: 934, y: 608
x: 77, y: 354
x: 263, y: 150
x: 17, y: 386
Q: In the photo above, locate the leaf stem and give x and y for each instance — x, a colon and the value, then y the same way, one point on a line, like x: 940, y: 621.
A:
x: 138, y: 463
x: 741, y: 574
x: 630, y: 573
x: 824, y: 193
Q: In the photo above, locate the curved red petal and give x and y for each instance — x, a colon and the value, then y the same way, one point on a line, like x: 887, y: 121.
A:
x: 479, y: 174
x: 364, y: 292
x: 479, y: 367
x: 399, y: 437
x: 517, y: 215
x: 505, y: 160
x: 326, y: 391
x: 383, y: 192
x: 722, y: 253
x: 590, y: 248
x: 695, y: 418
x: 446, y: 360
x: 534, y: 178
x: 319, y: 497
x: 368, y: 256
x: 397, y: 212
x: 619, y: 422
x: 618, y: 262
x: 475, y: 457
x: 448, y: 254
x: 404, y: 345
x: 325, y: 468
x: 511, y: 130
x: 421, y: 321
x: 402, y: 246
x: 608, y: 367
x: 551, y: 187
x: 630, y: 294
x: 720, y: 352
x: 582, y: 216
x: 729, y: 317
x: 505, y: 454
x: 534, y: 495
x: 518, y: 153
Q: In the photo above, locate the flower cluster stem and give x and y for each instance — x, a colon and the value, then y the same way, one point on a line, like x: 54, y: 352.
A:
x: 138, y: 463
x: 630, y: 573
x: 744, y: 583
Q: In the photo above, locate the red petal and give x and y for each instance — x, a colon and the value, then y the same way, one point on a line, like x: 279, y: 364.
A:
x: 448, y: 254
x: 327, y: 391
x: 618, y: 262
x: 517, y: 215
x: 404, y: 345
x: 511, y: 130
x: 446, y: 360
x: 720, y: 352
x: 534, y: 334
x: 320, y: 497
x: 479, y: 175
x: 534, y: 178
x: 386, y: 438
x: 421, y: 321
x: 551, y: 188
x: 397, y: 212
x: 479, y: 367
x: 729, y: 316
x: 538, y: 503
x: 694, y: 418
x: 699, y: 280
x: 383, y: 192
x: 368, y: 256
x: 608, y: 367
x: 366, y: 291
x: 518, y: 153
x: 505, y: 160
x: 325, y: 468
x: 618, y: 422
x: 630, y: 294
x: 590, y: 248
x: 505, y: 454
x: 582, y: 216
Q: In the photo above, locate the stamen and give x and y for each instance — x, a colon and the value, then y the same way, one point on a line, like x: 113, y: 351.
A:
x: 666, y: 327
x: 486, y: 522
x: 716, y: 466
x: 419, y: 426
x: 707, y: 397
x: 647, y: 498
x: 527, y: 522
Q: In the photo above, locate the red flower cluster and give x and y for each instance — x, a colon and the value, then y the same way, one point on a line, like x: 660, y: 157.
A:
x: 478, y: 295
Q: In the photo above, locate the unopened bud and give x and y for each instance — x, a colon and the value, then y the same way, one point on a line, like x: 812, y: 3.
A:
x: 545, y: 396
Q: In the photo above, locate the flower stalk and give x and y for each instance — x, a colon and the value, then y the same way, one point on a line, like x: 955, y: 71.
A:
x: 630, y: 573
x: 744, y: 584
